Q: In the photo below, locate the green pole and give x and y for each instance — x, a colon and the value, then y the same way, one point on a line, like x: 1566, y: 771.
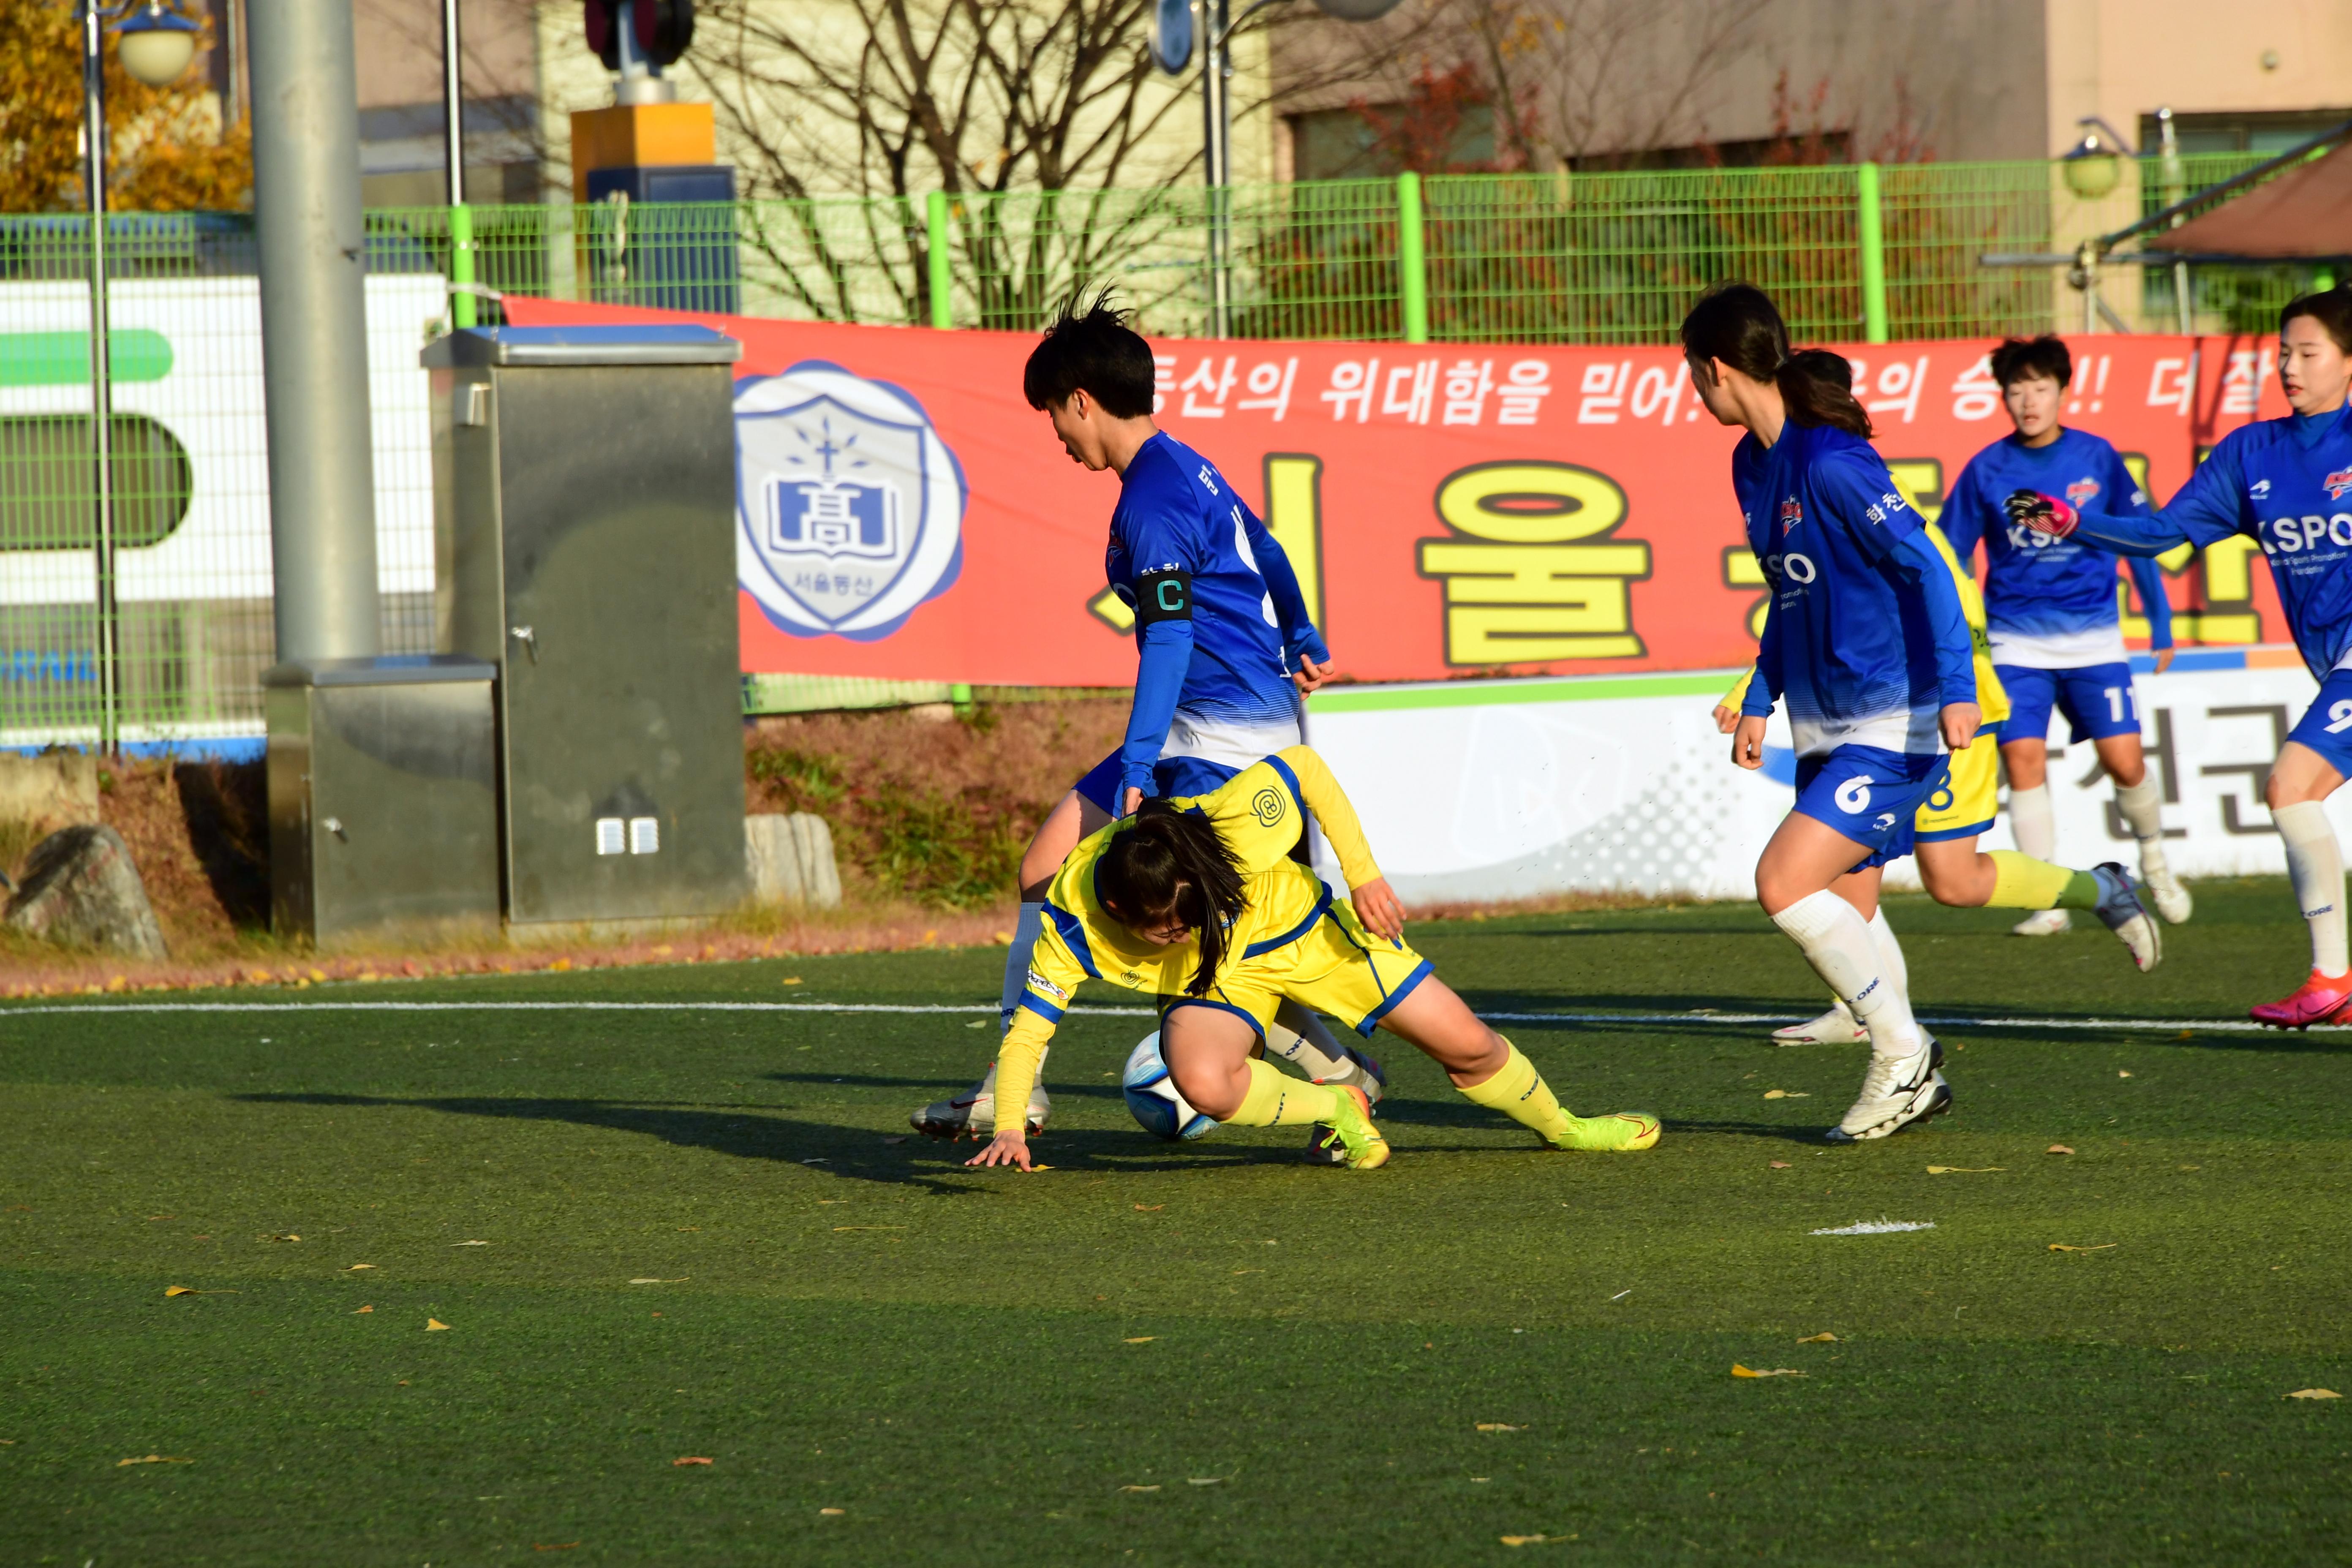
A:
x: 1874, y: 255
x: 943, y: 279
x: 1413, y: 258
x: 960, y: 693
x: 462, y: 302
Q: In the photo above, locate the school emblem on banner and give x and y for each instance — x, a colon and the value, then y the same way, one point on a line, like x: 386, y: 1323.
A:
x: 848, y: 507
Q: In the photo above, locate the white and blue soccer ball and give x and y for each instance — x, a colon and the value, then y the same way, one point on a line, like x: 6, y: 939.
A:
x: 1152, y: 1099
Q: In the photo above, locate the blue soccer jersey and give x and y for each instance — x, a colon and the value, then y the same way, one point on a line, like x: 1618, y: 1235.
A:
x: 2050, y: 604
x: 1220, y: 620
x: 1865, y: 634
x: 2286, y: 482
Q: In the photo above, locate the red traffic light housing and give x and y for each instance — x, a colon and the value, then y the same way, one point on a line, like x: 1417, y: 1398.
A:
x: 664, y: 28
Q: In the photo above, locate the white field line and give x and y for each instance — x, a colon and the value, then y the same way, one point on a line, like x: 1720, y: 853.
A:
x: 1674, y: 1020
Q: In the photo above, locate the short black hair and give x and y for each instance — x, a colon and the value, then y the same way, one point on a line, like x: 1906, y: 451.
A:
x: 1091, y: 347
x: 2018, y: 358
x: 2331, y: 308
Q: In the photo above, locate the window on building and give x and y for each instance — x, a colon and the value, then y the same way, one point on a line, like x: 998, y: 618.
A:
x: 2271, y: 131
x: 1349, y: 144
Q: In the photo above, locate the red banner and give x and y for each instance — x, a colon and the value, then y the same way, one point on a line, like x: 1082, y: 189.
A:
x: 1451, y: 509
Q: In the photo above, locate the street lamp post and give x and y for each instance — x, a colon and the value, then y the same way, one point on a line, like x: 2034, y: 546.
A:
x: 156, y: 45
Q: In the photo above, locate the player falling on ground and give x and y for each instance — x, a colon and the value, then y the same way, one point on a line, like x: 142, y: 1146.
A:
x: 1865, y: 638
x: 2284, y: 481
x: 1197, y: 900
x: 1224, y: 650
x: 1946, y: 827
x: 2056, y: 627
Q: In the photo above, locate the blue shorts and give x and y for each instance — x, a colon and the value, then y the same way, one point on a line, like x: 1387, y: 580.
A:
x: 2327, y: 725
x: 1870, y: 796
x: 1170, y: 776
x: 2097, y: 700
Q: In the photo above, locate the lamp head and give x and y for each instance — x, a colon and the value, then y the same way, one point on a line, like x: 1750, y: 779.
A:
x: 156, y: 45
x: 2093, y: 166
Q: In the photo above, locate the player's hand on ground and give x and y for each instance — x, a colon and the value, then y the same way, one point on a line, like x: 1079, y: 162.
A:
x: 1748, y: 741
x: 2164, y: 659
x: 2042, y: 513
x: 1727, y: 718
x: 1004, y: 1149
x: 1130, y: 800
x: 1310, y: 676
x: 1378, y: 907
x: 1962, y: 720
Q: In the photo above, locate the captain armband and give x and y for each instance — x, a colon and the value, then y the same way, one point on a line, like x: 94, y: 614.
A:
x: 1163, y: 596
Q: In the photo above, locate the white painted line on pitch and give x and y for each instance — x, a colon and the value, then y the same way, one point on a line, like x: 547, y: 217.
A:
x: 2229, y: 1025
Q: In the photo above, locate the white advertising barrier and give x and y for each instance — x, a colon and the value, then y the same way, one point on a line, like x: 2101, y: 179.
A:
x: 1492, y: 790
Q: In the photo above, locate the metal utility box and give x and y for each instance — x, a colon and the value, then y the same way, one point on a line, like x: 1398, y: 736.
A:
x: 384, y: 809
x: 585, y: 543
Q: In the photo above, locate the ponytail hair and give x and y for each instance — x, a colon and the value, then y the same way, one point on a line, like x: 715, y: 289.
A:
x: 1173, y: 865
x: 1738, y: 324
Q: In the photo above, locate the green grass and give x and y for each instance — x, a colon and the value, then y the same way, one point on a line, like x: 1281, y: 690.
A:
x: 944, y: 1356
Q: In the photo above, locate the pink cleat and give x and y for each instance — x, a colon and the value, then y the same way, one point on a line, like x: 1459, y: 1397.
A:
x: 2320, y: 1000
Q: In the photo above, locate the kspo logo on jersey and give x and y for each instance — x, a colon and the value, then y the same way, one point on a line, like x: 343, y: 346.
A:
x: 848, y: 507
x: 2337, y: 483
x: 1792, y: 513
x: 2298, y: 536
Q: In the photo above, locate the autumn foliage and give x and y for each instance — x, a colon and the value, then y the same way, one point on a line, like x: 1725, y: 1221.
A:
x: 166, y: 148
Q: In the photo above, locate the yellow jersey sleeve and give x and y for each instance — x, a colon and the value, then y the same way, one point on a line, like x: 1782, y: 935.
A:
x: 1992, y: 702
x: 1055, y: 971
x: 1739, y: 692
x: 1256, y: 812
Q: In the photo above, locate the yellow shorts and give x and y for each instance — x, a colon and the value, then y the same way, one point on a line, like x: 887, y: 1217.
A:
x: 1965, y: 806
x: 1337, y: 967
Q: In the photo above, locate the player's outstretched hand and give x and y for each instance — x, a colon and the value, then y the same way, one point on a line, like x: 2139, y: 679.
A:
x: 1004, y: 1149
x: 1727, y: 718
x: 1309, y: 675
x: 2164, y: 659
x: 1962, y: 720
x: 2042, y: 513
x: 1377, y: 906
x: 1747, y: 743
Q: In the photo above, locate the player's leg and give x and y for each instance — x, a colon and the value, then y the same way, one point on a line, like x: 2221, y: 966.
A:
x: 1838, y: 1026
x: 1211, y: 1048
x: 2026, y: 753
x: 2114, y: 728
x: 2311, y: 767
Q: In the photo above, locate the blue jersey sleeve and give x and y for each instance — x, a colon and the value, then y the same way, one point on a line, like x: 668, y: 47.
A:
x: 1154, y: 527
x: 2205, y: 511
x: 1861, y: 496
x: 1298, y: 633
x: 1766, y: 688
x: 2145, y: 574
x: 1968, y: 513
x: 1918, y: 560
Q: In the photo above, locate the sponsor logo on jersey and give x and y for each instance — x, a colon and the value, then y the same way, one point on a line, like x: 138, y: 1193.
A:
x: 1267, y: 806
x: 2079, y: 492
x: 1039, y: 982
x: 2337, y: 483
x: 2260, y: 490
x: 1792, y: 513
x: 848, y: 507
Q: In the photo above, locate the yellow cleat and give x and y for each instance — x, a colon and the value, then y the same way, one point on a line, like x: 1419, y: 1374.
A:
x: 1618, y: 1133
x: 1365, y: 1149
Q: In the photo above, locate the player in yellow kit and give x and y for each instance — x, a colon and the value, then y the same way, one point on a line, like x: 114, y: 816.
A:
x: 1944, y: 835
x: 1197, y: 900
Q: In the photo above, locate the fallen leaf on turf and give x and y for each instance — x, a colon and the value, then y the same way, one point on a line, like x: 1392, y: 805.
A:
x: 469, y: 1244
x: 554, y: 1546
x: 2315, y: 1393
x: 690, y: 1460
x: 432, y: 1323
x: 841, y: 1227
x: 836, y: 1512
x: 792, y: 980
x: 1531, y: 1540
x: 154, y: 1460
x: 2190, y: 1167
x: 977, y: 1024
x: 357, y: 1266
x: 357, y: 1310
x: 1780, y: 1165
x: 1139, y: 1488
x: 1786, y: 1094
x: 649, y: 1280
x: 1739, y: 1371
x: 1961, y: 1169
x: 2122, y: 1072
x: 1149, y: 1208
x: 290, y: 1236
x: 2062, y: 1247
x: 188, y: 1290
x: 2059, y: 1148
x: 1819, y: 1340
x: 1498, y: 1426
x: 1035, y: 1169
x: 1207, y: 1480
x: 1142, y: 1339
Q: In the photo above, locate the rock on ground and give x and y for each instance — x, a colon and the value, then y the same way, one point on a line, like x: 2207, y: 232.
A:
x: 791, y: 861
x: 80, y: 889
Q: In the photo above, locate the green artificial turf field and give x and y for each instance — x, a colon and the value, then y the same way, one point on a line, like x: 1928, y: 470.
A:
x: 659, y: 1233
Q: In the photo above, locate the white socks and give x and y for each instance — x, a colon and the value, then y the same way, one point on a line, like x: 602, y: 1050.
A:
x: 2143, y: 808
x: 1298, y: 1038
x: 2030, y: 821
x: 1026, y: 934
x: 2316, y: 864
x: 1840, y: 945
x: 1890, y: 951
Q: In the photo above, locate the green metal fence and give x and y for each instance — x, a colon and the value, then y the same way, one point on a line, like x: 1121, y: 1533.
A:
x: 1851, y: 253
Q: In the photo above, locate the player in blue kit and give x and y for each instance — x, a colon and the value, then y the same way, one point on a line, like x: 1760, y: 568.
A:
x: 1865, y: 639
x: 1225, y: 649
x: 2288, y: 483
x: 2057, y: 636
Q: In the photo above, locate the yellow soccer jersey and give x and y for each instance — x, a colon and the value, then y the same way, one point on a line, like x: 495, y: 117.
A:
x: 1256, y: 812
x: 1992, y: 702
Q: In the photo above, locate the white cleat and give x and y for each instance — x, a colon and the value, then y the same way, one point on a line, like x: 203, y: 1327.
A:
x: 1896, y: 1093
x: 2043, y: 922
x: 2171, y: 899
x: 1835, y: 1027
x: 973, y: 1114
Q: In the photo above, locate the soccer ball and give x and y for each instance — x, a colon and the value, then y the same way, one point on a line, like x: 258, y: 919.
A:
x: 1152, y: 1099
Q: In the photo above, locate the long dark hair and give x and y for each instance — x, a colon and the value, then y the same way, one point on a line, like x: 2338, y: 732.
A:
x: 1170, y: 864
x: 1738, y: 324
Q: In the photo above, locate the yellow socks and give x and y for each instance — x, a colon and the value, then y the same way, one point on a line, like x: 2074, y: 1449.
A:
x: 2022, y: 882
x: 1520, y: 1092
x: 1276, y: 1100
